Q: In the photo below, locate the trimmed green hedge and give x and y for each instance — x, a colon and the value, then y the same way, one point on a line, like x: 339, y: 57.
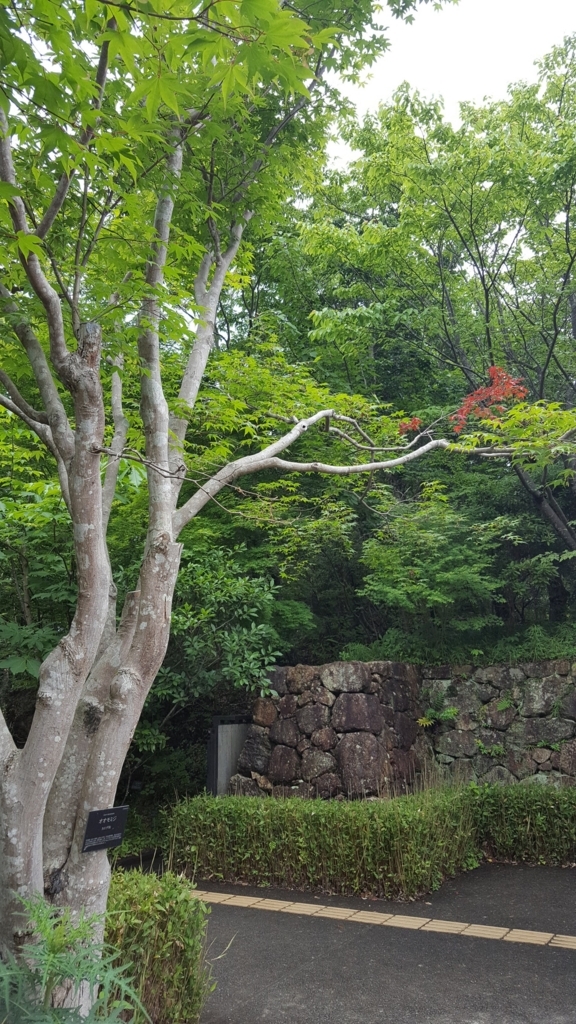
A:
x: 531, y: 823
x: 399, y: 847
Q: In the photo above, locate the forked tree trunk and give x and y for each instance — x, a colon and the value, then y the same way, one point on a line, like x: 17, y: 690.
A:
x: 94, y: 684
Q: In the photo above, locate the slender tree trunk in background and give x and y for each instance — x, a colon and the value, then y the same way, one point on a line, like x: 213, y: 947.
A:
x: 548, y: 507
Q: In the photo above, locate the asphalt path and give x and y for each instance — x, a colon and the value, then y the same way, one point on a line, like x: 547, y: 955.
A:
x: 293, y: 968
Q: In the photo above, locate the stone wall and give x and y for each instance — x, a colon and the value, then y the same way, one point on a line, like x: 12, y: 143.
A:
x: 350, y: 729
x: 346, y: 728
x: 514, y: 723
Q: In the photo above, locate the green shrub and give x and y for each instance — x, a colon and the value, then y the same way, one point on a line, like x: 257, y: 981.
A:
x: 393, y: 848
x: 158, y: 927
x: 143, y: 835
x: 531, y: 823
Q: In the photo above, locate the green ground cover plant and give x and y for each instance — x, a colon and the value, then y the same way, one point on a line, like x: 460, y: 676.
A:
x: 62, y: 961
x: 396, y: 848
x: 158, y: 927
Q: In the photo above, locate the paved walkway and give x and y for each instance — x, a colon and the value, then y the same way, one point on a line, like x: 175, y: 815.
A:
x: 495, y: 946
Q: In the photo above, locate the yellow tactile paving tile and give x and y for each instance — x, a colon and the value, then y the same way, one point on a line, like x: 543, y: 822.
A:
x: 451, y: 927
x: 402, y: 921
x: 338, y: 913
x: 521, y: 935
x: 274, y: 904
x: 484, y: 931
x: 218, y: 897
x: 425, y: 924
x: 299, y: 908
x: 370, y: 917
x: 563, y: 941
x: 244, y: 901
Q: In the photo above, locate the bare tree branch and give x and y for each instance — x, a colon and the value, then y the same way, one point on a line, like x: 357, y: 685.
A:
x: 268, y: 459
x: 208, y: 297
x: 20, y: 401
x: 7, y: 746
x: 153, y: 405
x: 61, y: 431
x: 85, y: 138
x: 42, y: 287
x: 118, y: 441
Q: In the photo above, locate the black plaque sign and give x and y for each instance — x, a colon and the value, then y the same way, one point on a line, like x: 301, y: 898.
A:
x: 104, y: 829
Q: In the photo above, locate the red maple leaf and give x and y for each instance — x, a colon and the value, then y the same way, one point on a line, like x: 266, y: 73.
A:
x: 407, y: 425
x: 486, y: 402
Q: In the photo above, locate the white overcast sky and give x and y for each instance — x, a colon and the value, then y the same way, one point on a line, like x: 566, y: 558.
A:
x: 466, y: 51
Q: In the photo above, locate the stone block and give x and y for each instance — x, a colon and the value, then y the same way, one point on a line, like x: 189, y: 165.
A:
x: 284, y: 765
x: 255, y: 754
x: 357, y: 712
x: 325, y: 697
x: 304, y: 744
x: 495, y: 675
x: 496, y: 719
x: 456, y: 743
x: 325, y: 738
x: 316, y: 762
x: 406, y: 730
x: 382, y: 669
x: 363, y: 764
x: 345, y: 676
x: 471, y: 696
x: 520, y: 763
x: 546, y: 730
x: 482, y: 763
x: 541, y: 754
x: 562, y: 667
x: 301, y: 789
x: 461, y: 770
x: 403, y: 765
x: 288, y: 706
x: 541, y: 779
x: 568, y: 706
x: 277, y: 678
x: 301, y: 677
x: 285, y: 731
x: 312, y: 717
x: 567, y: 759
x: 327, y: 786
x: 489, y: 737
x: 537, y: 669
x: 466, y: 722
x: 540, y: 695
x: 307, y: 697
x: 516, y: 675
x: 264, y: 712
x: 439, y: 672
x: 462, y: 671
x: 239, y: 785
x: 395, y: 693
x: 387, y: 715
x: 499, y: 774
